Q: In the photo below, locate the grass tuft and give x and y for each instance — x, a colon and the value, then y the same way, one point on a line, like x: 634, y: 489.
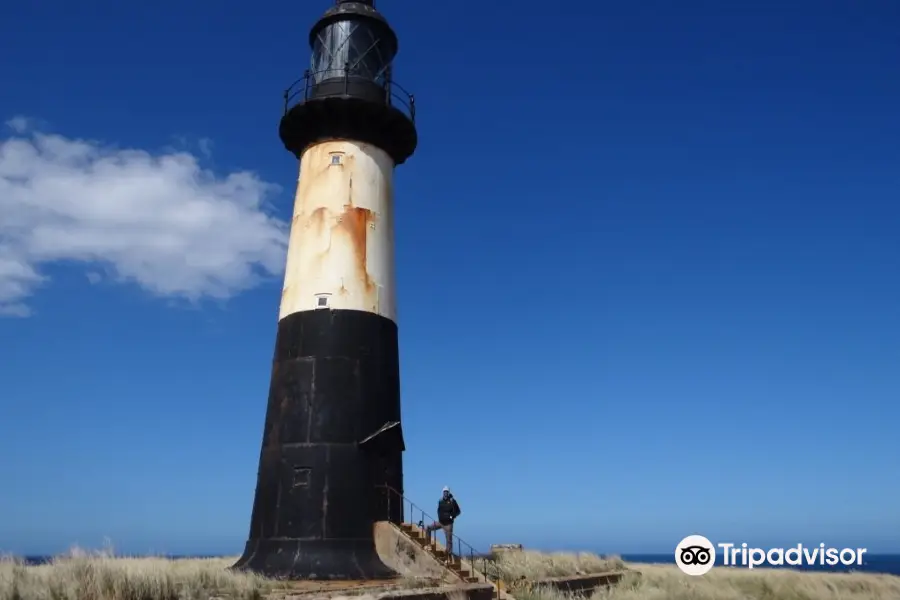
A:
x: 100, y: 575
x: 512, y: 567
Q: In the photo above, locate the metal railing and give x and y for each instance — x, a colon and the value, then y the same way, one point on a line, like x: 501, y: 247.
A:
x: 478, y: 561
x: 302, y: 90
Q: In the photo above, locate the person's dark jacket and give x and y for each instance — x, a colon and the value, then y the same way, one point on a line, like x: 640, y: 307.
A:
x: 448, y: 510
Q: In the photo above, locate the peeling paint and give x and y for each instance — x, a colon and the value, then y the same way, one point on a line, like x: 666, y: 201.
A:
x: 342, y: 231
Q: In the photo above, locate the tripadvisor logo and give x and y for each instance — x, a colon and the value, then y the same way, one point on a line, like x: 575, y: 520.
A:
x: 696, y: 555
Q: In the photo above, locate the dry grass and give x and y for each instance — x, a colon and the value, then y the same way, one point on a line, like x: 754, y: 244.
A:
x: 528, y: 564
x: 666, y: 582
x: 81, y: 575
x: 101, y: 576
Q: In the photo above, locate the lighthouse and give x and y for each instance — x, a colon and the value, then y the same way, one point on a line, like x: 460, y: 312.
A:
x: 332, y: 441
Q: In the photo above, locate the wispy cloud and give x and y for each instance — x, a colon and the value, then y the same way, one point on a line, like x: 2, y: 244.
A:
x: 158, y: 220
x: 18, y: 124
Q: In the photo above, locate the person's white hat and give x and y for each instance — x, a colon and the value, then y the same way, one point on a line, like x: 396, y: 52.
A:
x: 446, y: 489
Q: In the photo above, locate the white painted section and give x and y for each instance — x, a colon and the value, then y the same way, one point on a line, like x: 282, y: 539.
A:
x: 341, y: 246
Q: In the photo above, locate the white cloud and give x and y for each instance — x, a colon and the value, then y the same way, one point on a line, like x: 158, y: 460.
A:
x: 160, y: 221
x: 18, y: 124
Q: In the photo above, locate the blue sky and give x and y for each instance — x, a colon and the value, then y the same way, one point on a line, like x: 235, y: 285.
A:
x: 648, y: 263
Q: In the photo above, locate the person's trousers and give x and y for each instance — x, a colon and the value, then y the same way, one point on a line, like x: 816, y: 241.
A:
x: 448, y: 534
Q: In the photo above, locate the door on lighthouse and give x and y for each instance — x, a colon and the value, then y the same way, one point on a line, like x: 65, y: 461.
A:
x: 384, y: 452
x: 387, y: 502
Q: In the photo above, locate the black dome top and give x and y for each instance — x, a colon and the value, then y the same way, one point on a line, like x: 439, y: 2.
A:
x: 347, y: 10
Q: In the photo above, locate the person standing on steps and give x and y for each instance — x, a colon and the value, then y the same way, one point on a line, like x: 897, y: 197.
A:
x: 447, y: 511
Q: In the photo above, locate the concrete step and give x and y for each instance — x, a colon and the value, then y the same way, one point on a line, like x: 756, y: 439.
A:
x: 430, y: 545
x: 411, y: 529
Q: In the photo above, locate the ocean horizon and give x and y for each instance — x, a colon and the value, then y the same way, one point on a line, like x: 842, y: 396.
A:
x: 888, y: 564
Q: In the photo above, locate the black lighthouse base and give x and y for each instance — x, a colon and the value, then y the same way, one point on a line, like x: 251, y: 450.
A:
x: 332, y: 448
x: 314, y: 559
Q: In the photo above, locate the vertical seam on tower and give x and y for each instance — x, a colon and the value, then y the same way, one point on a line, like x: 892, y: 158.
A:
x: 309, y: 402
x: 325, y: 493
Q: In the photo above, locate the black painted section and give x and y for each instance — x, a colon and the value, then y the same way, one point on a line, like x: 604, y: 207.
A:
x: 351, y: 11
x: 355, y: 115
x: 335, y: 382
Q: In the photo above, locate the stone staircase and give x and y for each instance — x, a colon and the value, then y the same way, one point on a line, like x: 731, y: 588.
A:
x: 462, y: 569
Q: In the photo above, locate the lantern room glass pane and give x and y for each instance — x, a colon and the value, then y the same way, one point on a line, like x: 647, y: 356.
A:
x: 358, y: 44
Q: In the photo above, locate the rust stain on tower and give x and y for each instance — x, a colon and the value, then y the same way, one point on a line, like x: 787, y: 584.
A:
x: 355, y: 223
x: 335, y: 214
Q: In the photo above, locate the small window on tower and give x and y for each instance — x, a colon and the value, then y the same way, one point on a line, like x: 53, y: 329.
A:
x: 335, y: 159
x: 301, y: 476
x: 322, y: 299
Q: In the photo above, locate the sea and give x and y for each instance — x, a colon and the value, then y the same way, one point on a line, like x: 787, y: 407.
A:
x: 874, y: 563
